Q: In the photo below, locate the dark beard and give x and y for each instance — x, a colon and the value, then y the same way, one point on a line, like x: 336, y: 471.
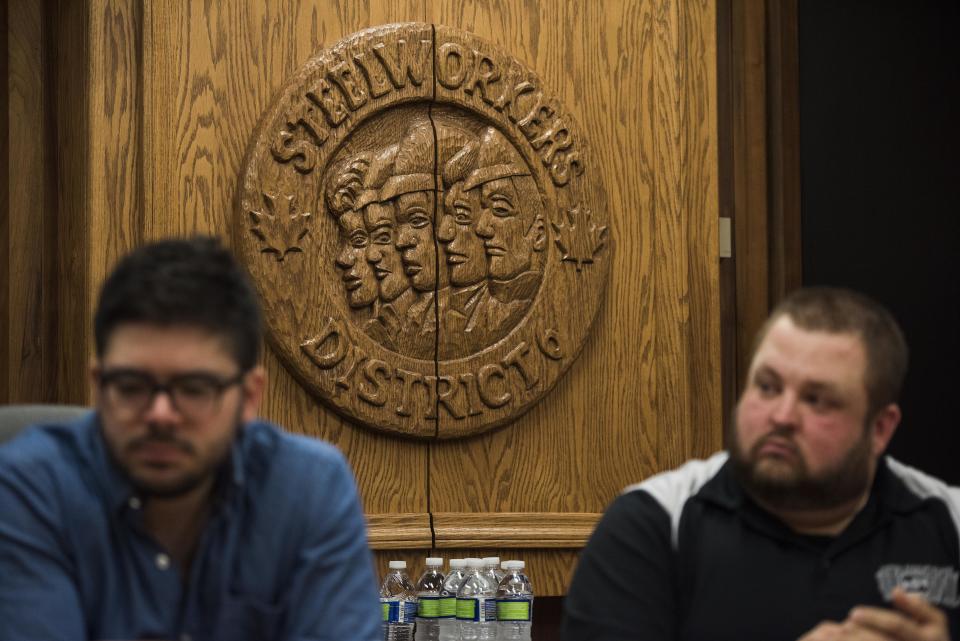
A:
x: 845, y: 483
x: 184, y: 485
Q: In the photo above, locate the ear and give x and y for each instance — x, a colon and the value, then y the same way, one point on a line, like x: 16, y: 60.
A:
x: 882, y: 427
x: 539, y: 232
x: 254, y: 384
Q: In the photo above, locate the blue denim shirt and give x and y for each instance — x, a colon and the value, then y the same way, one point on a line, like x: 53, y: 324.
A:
x: 284, y: 555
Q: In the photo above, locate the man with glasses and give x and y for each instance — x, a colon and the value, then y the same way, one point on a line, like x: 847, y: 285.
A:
x: 171, y: 512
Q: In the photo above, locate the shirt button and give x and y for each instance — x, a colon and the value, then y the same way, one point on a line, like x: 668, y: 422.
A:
x: 163, y: 561
x: 134, y: 503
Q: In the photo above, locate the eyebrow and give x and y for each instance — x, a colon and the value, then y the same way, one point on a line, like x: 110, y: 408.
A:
x: 133, y: 371
x: 766, y: 370
x: 818, y: 386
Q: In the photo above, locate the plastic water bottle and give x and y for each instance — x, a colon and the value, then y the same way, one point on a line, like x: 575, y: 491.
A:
x: 428, y: 601
x: 398, y: 600
x: 477, y: 605
x: 449, y: 626
x: 514, y: 604
x: 491, y: 567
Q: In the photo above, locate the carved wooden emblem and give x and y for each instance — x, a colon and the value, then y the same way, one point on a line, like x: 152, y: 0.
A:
x: 422, y: 221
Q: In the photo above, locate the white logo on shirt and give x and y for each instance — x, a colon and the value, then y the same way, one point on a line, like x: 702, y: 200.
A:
x: 937, y: 584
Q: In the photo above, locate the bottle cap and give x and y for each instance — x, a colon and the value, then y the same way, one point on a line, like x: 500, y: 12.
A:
x: 458, y: 563
x: 491, y: 560
x: 434, y: 562
x: 514, y: 565
x: 474, y: 563
x: 398, y: 565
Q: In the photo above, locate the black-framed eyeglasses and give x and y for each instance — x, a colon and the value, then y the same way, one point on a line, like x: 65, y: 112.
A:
x: 195, y: 395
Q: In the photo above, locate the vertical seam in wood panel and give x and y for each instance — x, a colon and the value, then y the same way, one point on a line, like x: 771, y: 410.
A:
x: 73, y: 291
x: 705, y: 299
x: 727, y: 268
x: 436, y: 243
x: 436, y: 285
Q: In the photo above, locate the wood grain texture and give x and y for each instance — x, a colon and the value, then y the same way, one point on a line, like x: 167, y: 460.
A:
x: 69, y: 240
x: 44, y: 287
x: 513, y: 529
x: 750, y: 174
x: 759, y: 125
x: 399, y: 531
x: 645, y: 394
x: 700, y: 198
x: 5, y: 208
x: 172, y: 93
x: 625, y: 408
x: 783, y: 101
x: 209, y: 72
x: 28, y: 204
x: 115, y: 171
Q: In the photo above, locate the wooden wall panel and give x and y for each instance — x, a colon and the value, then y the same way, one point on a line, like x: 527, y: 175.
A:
x: 634, y: 402
x: 115, y: 178
x: 171, y: 92
x: 43, y: 229
x: 209, y: 72
x: 27, y: 202
x: 699, y: 189
x: 68, y: 238
x: 5, y: 207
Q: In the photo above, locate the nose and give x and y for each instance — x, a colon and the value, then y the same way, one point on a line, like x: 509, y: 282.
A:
x: 374, y: 255
x: 405, y: 239
x: 161, y: 409
x: 345, y: 259
x: 445, y: 230
x: 785, y: 412
x: 484, y: 229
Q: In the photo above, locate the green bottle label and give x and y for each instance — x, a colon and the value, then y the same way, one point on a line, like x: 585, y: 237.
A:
x: 513, y: 610
x: 467, y: 609
x: 386, y: 611
x: 448, y: 607
x: 428, y: 607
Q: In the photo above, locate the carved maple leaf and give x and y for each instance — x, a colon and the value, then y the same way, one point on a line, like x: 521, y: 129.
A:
x: 280, y: 227
x: 579, y: 238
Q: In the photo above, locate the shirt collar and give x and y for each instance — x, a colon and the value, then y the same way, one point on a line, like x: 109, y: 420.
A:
x: 724, y: 490
x: 887, y: 494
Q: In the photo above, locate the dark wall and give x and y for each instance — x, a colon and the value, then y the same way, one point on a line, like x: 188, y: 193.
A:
x: 880, y: 176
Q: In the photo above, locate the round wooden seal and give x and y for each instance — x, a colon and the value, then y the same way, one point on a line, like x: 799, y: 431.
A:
x: 422, y: 221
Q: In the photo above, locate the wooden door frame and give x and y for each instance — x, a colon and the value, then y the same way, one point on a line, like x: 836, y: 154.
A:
x: 759, y: 171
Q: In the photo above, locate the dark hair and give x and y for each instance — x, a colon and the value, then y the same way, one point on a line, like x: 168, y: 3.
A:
x: 841, y: 311
x: 194, y: 282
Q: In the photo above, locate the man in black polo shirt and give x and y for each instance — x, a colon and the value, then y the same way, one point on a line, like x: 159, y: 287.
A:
x: 802, y: 529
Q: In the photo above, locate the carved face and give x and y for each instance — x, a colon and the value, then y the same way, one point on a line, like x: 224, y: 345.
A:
x: 382, y: 253
x: 415, y: 238
x: 510, y: 234
x: 358, y: 277
x: 464, y: 250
